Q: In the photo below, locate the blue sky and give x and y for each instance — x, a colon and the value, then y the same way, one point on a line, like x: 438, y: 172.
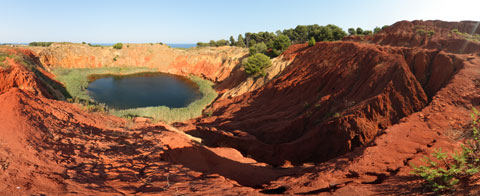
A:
x: 189, y: 21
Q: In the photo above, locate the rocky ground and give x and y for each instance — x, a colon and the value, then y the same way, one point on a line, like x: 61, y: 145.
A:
x: 338, y: 118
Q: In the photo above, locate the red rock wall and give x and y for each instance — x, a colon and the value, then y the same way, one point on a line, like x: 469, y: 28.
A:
x: 212, y: 63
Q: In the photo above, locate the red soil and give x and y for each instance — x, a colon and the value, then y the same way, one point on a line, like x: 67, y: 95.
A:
x: 344, y: 118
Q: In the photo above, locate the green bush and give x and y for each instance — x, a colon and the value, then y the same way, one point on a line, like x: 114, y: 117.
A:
x: 280, y: 44
x: 118, y: 46
x: 456, y: 32
x: 443, y: 174
x: 421, y: 32
x: 43, y: 44
x: 311, y: 42
x: 256, y: 64
x: 258, y: 48
x: 352, y: 31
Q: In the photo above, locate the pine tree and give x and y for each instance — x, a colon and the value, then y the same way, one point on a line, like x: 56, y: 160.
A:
x: 232, y: 41
x: 240, y: 42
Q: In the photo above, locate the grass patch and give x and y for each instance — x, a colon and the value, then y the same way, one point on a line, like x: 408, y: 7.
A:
x: 76, y: 82
x: 3, y: 57
x: 469, y: 37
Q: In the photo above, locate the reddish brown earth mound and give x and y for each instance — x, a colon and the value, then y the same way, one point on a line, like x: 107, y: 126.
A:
x: 332, y: 98
x: 354, y: 114
x: 50, y: 147
x: 337, y: 96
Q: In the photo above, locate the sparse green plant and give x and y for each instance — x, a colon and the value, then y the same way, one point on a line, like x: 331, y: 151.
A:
x: 3, y: 57
x: 443, y: 173
x: 430, y: 33
x: 118, y: 46
x: 421, y: 32
x: 209, y: 113
x: 311, y: 42
x: 456, y: 32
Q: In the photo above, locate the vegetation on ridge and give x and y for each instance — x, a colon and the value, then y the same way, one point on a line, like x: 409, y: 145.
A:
x: 118, y: 46
x: 43, y: 44
x: 444, y: 173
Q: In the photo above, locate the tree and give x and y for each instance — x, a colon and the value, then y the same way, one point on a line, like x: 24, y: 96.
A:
x: 352, y: 31
x: 281, y: 43
x: 240, y: 41
x: 258, y: 48
x: 232, y: 41
x: 252, y: 42
x: 311, y: 42
x: 201, y: 44
x: 256, y: 64
x: 302, y: 32
x: 367, y: 32
x: 221, y: 42
x: 118, y: 46
x: 337, y: 32
x: 359, y: 31
x: 376, y: 30
x: 212, y: 43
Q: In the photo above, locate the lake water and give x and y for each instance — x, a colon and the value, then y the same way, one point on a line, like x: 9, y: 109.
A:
x: 143, y: 90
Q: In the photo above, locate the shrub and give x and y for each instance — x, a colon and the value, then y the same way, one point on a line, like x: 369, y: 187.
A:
x: 445, y: 172
x: 201, y: 44
x: 280, y: 44
x: 43, y: 44
x: 258, y: 48
x: 421, y: 32
x: 256, y: 64
x: 118, y: 46
x: 352, y: 31
x: 456, y: 32
x: 367, y: 32
x: 430, y: 33
x: 3, y: 57
x: 311, y: 42
x: 359, y: 30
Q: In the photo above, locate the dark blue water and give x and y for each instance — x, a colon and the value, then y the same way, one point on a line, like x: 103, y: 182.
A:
x: 143, y: 90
